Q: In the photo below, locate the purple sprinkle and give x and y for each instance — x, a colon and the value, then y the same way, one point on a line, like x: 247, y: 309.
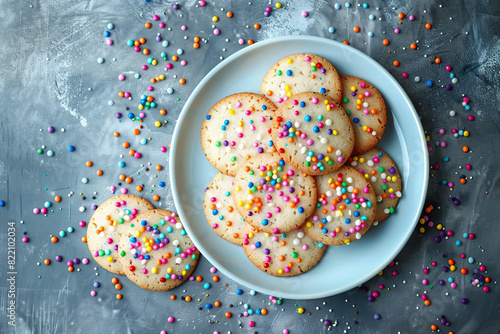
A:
x: 267, y: 251
x: 353, y: 93
x: 250, y: 213
x: 97, y: 284
x: 225, y: 143
x: 260, y: 150
x: 330, y: 131
x: 392, y: 170
x: 51, y: 129
x: 323, y: 70
x: 320, y: 156
x: 292, y: 190
x: 76, y: 261
x: 446, y: 269
x: 59, y: 258
x: 371, y: 299
x: 437, y: 239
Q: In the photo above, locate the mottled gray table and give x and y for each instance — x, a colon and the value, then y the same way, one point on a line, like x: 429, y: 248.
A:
x: 50, y: 77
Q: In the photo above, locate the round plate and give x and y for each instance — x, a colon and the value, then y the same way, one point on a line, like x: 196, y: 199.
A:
x: 342, y: 267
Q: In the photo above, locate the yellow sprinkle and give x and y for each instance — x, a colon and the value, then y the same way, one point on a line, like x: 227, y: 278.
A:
x: 287, y: 87
x: 358, y: 101
x: 240, y: 203
x: 335, y: 132
x: 231, y: 111
x: 289, y: 61
x: 422, y: 230
x: 247, y: 206
x: 309, y: 224
x: 149, y: 249
x: 439, y: 226
x: 278, y: 5
x: 353, y: 89
x: 365, y: 128
x: 170, y: 270
x: 280, y: 271
x: 361, y: 160
x: 327, y: 158
x: 157, y: 124
x: 237, y: 188
x: 380, y: 273
x: 289, y: 94
x: 330, y: 180
x: 326, y: 102
x: 453, y: 268
x: 421, y: 221
x: 250, y: 235
x: 184, y: 273
x: 154, y: 270
x: 215, y: 19
x: 300, y: 310
x: 110, y: 259
x: 347, y: 241
x: 240, y: 123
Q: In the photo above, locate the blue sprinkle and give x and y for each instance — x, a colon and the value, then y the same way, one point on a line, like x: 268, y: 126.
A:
x: 365, y: 5
x: 121, y: 164
x: 302, y: 104
x: 264, y: 222
x: 258, y: 244
x: 458, y: 243
x: 322, y: 91
x: 100, y: 60
x: 316, y: 129
x: 429, y: 83
x: 289, y: 72
x: 347, y: 221
x: 301, y: 210
x: 239, y: 292
x: 107, y: 33
x: 264, y: 107
x: 370, y: 34
x: 71, y: 148
x: 208, y: 117
x: 324, y: 230
x: 307, y: 118
x: 471, y: 259
x: 347, y: 5
x: 164, y: 43
x: 331, y: 30
x: 465, y: 235
x: 337, y: 6
x: 355, y: 120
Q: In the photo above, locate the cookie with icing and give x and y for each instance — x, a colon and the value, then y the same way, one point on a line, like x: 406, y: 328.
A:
x: 235, y: 129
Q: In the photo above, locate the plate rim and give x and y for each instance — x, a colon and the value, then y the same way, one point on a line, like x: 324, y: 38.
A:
x: 177, y: 133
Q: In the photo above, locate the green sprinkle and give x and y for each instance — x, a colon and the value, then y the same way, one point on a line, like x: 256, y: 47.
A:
x: 278, y: 72
x: 391, y: 209
x: 307, y: 163
x: 280, y: 169
x: 251, y: 172
x: 233, y: 159
x: 122, y: 253
x: 313, y: 68
x: 348, y: 112
x: 381, y: 169
x: 295, y: 255
x: 345, y: 100
x: 217, y: 143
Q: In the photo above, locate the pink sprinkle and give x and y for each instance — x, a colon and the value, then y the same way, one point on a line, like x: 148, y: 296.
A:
x: 137, y: 155
x: 251, y: 323
x: 156, y: 17
x: 314, y: 100
x: 137, y: 49
x: 169, y: 66
x: 412, y: 17
x: 241, y: 41
x: 26, y: 239
x: 405, y: 75
x: 397, y: 31
x: 362, y: 85
x: 144, y: 67
x: 183, y: 28
x: 171, y: 319
x: 109, y: 42
x: 127, y: 94
x: 466, y: 99
x: 162, y: 25
x: 305, y: 14
x: 44, y: 210
x: 36, y: 211
x: 203, y: 3
x: 121, y: 77
x: 124, y: 190
x: 448, y: 68
x: 471, y: 118
x: 216, y: 31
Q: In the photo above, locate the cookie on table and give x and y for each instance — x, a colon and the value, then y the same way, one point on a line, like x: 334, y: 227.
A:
x: 272, y: 195
x: 345, y: 209
x: 106, y: 225
x: 155, y: 251
x: 284, y: 255
x: 301, y: 72
x: 366, y: 108
x: 235, y: 129
x: 313, y: 133
x: 220, y: 210
x: 378, y: 167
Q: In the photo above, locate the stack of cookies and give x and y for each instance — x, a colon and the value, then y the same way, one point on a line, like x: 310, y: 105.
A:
x: 126, y: 235
x: 299, y: 167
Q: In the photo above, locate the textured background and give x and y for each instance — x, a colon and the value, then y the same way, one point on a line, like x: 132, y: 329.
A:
x: 49, y: 52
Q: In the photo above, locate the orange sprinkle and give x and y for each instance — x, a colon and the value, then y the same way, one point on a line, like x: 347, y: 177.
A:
x: 396, y: 63
x: 148, y: 25
x: 465, y: 149
x: 163, y: 112
x: 215, y: 278
x: 119, y: 296
x: 464, y: 271
x: 196, y: 45
x: 250, y: 42
x: 150, y: 99
x: 434, y: 327
x: 256, y: 26
x: 437, y: 60
x: 159, y: 167
x: 46, y: 262
x: 401, y: 16
x: 129, y: 180
x: 196, y: 39
x: 54, y: 239
x: 188, y: 298
x: 138, y: 188
x: 121, y: 94
x: 228, y: 315
x: 137, y: 131
x: 427, y: 302
x: 116, y: 134
x: 413, y: 46
x: 57, y: 198
x: 356, y: 29
x: 114, y: 280
x: 145, y: 51
x: 89, y: 163
x: 217, y: 303
x: 182, y: 81
x: 126, y: 145
x: 142, y: 40
x: 156, y: 198
x: 229, y: 14
x: 175, y: 58
x: 346, y: 42
x: 84, y: 239
x: 428, y: 26
x: 118, y: 286
x: 199, y: 278
x: 385, y: 42
x: 70, y: 269
x: 173, y: 297
x: 263, y: 311
x: 137, y: 43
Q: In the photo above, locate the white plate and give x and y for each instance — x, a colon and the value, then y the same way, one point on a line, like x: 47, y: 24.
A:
x: 342, y: 267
